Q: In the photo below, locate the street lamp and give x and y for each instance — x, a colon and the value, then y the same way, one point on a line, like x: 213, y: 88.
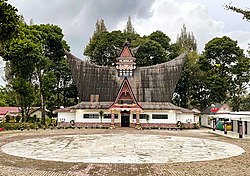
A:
x: 214, y: 119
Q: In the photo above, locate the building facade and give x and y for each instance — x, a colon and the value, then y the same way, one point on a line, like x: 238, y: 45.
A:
x: 126, y: 95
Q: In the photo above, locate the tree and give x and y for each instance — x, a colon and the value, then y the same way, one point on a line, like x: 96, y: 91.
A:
x: 21, y: 54
x: 160, y: 38
x: 129, y: 27
x: 9, y: 21
x: 36, y: 58
x: 53, y: 54
x: 100, y: 26
x: 186, y: 39
x: 150, y: 53
x: 219, y: 60
x: 186, y: 89
x: 240, y: 81
x: 245, y: 13
x: 101, y: 50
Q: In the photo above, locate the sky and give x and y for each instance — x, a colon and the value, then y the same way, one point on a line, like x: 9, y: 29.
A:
x: 77, y: 18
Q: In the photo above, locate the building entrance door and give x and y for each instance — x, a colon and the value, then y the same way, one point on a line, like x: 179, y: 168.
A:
x: 125, y: 119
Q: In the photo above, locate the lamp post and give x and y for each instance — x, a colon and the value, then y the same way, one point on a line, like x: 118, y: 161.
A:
x: 214, y: 119
x: 240, y: 128
x: 225, y: 125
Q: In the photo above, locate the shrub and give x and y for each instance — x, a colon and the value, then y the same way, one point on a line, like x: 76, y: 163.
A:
x: 18, y: 119
x: 18, y: 126
x: 7, y: 118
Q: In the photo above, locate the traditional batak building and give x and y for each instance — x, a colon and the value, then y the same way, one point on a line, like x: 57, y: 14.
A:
x: 128, y: 96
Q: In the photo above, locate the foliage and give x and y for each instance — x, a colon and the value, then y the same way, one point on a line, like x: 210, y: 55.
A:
x: 18, y: 126
x: 226, y: 70
x: 129, y: 27
x: 186, y: 39
x: 240, y: 81
x: 7, y: 118
x: 150, y: 53
x: 101, y: 49
x: 9, y: 21
x: 100, y: 26
x: 7, y: 97
x: 245, y: 13
x: 37, y: 70
x: 161, y: 38
x: 18, y: 118
x: 186, y: 90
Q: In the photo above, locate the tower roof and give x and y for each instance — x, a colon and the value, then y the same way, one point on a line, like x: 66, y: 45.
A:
x: 126, y: 52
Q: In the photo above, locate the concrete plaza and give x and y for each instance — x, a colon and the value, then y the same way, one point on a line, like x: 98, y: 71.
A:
x: 122, y: 151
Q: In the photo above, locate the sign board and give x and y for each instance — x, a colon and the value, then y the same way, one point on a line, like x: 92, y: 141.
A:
x: 214, y: 110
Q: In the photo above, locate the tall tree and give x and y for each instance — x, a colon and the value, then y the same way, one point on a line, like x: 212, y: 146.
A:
x: 240, y: 81
x: 53, y: 54
x: 186, y: 39
x: 218, y: 60
x: 129, y: 27
x: 187, y: 89
x: 21, y: 54
x: 36, y: 58
x: 100, y: 26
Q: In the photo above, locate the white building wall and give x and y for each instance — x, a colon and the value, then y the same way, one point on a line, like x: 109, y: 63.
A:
x: 77, y: 116
x: 186, y: 118
x: 66, y: 116
x: 171, y: 116
x: 196, y: 118
x: 235, y: 126
x: 248, y: 127
x: 205, y: 121
x: 80, y: 114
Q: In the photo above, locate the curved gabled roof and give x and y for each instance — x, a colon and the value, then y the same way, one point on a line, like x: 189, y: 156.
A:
x: 150, y: 84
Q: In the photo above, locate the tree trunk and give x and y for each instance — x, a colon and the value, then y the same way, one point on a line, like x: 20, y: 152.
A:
x: 41, y: 98
x: 42, y: 107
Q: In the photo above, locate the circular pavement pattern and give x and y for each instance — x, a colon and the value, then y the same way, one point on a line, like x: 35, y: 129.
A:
x: 121, y: 148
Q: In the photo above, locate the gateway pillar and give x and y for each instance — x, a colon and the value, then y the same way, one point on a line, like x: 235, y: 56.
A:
x: 138, y: 125
x: 112, y: 126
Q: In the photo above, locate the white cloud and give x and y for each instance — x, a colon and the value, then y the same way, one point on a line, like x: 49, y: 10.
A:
x: 169, y: 16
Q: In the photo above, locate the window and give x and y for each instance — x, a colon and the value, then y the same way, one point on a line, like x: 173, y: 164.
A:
x: 160, y: 116
x: 90, y: 116
x: 125, y: 102
x: 125, y: 73
x: 142, y: 116
x: 108, y: 116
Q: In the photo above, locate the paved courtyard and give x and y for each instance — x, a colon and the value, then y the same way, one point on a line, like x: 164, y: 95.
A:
x: 122, y: 151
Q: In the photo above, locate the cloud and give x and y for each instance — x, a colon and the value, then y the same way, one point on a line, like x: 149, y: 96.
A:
x: 77, y: 18
x: 169, y: 16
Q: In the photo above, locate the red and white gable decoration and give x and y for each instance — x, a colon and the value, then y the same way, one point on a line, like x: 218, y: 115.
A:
x: 125, y: 94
